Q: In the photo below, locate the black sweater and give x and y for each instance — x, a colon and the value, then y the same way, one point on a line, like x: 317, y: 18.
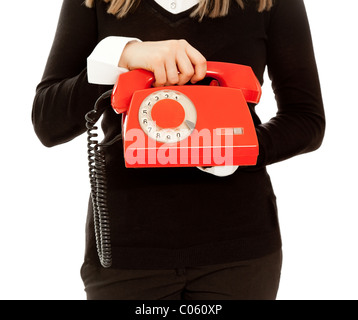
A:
x: 172, y: 217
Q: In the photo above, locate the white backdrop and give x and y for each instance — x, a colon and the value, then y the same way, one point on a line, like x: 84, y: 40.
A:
x: 45, y: 191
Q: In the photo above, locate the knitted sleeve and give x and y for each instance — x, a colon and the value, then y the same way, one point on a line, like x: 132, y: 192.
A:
x: 299, y: 124
x: 64, y: 96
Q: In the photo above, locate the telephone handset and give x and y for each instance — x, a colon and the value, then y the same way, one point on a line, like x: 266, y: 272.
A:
x: 191, y: 125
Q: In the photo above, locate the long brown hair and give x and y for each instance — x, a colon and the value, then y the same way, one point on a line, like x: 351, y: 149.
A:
x: 210, y: 8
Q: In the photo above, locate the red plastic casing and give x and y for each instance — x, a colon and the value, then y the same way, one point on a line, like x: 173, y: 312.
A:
x: 217, y: 107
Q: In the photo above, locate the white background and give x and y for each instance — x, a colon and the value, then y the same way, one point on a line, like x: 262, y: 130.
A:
x: 44, y: 192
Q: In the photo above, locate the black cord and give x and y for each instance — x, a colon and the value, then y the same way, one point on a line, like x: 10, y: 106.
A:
x: 98, y: 182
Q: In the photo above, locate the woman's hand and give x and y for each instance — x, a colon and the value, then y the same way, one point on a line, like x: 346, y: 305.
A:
x: 173, y: 62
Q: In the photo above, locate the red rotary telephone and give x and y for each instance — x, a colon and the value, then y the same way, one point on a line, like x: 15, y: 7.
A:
x: 191, y: 125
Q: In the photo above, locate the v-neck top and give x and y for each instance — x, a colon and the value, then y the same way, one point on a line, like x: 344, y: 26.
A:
x: 177, y: 217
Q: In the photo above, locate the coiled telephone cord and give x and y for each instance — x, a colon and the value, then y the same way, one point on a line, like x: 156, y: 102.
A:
x: 97, y: 176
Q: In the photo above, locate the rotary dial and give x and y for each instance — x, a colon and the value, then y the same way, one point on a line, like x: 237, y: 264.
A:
x: 167, y: 116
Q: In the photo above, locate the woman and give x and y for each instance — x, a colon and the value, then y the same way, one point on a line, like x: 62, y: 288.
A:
x: 184, y: 233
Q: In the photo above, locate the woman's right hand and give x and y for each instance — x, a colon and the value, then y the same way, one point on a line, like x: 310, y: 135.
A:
x: 173, y: 62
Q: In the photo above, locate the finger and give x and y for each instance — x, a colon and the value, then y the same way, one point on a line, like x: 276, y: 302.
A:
x: 172, y: 73
x: 185, y: 67
x: 160, y: 76
x: 199, y: 63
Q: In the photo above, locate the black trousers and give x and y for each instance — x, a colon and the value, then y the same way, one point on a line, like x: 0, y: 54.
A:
x: 256, y: 279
